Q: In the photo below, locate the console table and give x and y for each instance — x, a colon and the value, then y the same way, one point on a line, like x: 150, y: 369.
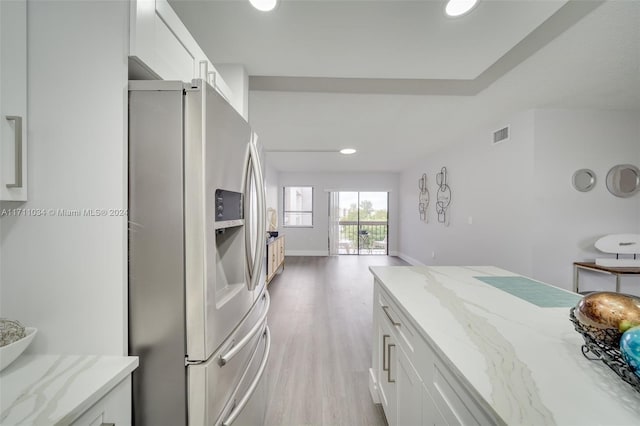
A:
x: 275, y: 256
x: 591, y: 266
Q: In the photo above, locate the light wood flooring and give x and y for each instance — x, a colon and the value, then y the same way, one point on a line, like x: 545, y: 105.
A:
x: 320, y: 321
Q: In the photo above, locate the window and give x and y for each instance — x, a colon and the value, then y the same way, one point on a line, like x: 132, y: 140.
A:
x: 298, y: 206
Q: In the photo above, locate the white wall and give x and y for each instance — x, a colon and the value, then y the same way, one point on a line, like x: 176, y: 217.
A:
x: 489, y: 186
x: 67, y: 275
x: 568, y: 222
x: 314, y: 241
x: 526, y: 217
x: 271, y: 178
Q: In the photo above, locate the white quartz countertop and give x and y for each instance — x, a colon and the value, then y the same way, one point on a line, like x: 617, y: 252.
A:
x: 523, y: 362
x: 57, y: 389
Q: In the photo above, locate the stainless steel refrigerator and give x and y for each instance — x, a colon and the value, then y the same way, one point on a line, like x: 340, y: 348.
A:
x: 197, y: 297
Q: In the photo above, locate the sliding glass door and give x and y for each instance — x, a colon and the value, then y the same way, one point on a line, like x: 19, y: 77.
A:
x: 362, y: 223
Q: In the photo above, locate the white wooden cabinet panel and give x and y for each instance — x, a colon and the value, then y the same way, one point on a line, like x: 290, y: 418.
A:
x: 409, y: 392
x: 160, y: 40
x: 406, y: 333
x: 430, y: 414
x: 13, y: 100
x: 386, y: 383
x: 172, y: 60
x: 114, y: 407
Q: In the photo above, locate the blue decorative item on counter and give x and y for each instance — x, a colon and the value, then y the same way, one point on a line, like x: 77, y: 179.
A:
x: 595, y: 348
x: 630, y: 348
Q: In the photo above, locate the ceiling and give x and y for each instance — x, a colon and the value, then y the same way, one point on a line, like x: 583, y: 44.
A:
x: 361, y: 39
x: 398, y: 80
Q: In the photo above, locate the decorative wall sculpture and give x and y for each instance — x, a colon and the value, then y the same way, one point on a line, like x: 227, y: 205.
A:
x: 423, y: 197
x: 443, y: 198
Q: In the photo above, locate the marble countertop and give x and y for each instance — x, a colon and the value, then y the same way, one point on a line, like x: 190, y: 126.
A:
x: 523, y: 362
x: 57, y: 389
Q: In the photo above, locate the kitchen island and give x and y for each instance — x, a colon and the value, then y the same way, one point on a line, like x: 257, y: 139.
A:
x: 481, y: 345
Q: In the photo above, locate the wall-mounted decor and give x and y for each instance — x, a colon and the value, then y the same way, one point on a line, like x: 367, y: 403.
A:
x: 623, y: 180
x: 623, y: 246
x: 423, y: 197
x: 583, y: 180
x: 443, y: 198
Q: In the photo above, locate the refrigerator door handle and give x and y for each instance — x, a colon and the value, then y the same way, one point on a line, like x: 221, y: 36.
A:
x: 246, y: 187
x: 254, y: 384
x: 247, y: 338
x: 256, y: 170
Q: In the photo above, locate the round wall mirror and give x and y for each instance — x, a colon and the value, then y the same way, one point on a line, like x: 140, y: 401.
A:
x: 584, y: 180
x: 623, y: 180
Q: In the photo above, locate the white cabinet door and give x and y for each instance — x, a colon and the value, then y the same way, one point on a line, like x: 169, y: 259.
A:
x: 409, y: 390
x: 160, y: 40
x: 387, y: 371
x: 113, y: 408
x: 13, y: 100
x: 430, y: 414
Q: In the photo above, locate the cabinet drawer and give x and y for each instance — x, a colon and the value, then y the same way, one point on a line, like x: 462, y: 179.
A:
x: 114, y: 407
x: 389, y: 312
x: 426, y: 360
x: 453, y: 401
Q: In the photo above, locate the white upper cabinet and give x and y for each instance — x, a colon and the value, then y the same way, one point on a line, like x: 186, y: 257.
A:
x: 160, y: 42
x: 13, y: 100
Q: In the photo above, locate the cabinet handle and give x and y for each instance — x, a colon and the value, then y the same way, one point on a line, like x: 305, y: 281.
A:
x: 18, y: 151
x: 389, y: 357
x: 204, y: 69
x: 384, y: 353
x: 386, y: 311
x: 211, y: 78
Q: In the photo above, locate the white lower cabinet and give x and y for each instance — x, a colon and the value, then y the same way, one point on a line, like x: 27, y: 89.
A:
x: 112, y: 409
x: 386, y: 384
x: 409, y: 391
x: 412, y: 382
x: 430, y: 414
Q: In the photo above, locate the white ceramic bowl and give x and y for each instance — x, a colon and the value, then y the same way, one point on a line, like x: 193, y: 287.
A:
x: 10, y: 353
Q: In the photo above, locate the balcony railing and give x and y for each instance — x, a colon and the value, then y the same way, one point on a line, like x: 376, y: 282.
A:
x: 368, y: 238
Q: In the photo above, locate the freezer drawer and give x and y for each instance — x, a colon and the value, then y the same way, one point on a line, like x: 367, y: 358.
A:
x: 225, y: 395
x: 214, y: 385
x: 248, y: 403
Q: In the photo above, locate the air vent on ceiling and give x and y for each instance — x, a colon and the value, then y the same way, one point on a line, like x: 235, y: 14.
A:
x: 501, y: 135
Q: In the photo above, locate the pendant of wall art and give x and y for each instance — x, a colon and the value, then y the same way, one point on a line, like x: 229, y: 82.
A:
x: 443, y: 196
x: 423, y: 197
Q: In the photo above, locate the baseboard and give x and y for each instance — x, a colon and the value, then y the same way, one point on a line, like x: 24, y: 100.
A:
x: 373, y: 387
x: 409, y: 259
x: 306, y: 253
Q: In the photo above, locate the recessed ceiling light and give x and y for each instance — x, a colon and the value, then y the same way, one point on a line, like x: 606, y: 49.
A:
x: 264, y: 5
x: 459, y: 7
x: 347, y: 151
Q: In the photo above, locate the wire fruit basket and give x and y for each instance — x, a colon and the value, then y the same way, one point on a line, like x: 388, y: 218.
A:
x: 599, y: 350
x: 10, y: 331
